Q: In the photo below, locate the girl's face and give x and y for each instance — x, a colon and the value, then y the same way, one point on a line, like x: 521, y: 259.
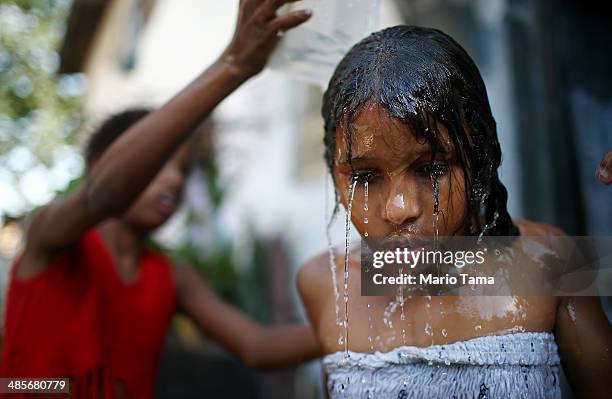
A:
x: 158, y: 202
x: 395, y: 165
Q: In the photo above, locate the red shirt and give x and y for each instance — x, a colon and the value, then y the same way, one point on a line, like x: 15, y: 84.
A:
x: 78, y: 319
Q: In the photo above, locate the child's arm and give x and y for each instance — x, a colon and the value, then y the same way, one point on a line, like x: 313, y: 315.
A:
x: 584, y: 336
x: 132, y: 162
x: 255, y: 345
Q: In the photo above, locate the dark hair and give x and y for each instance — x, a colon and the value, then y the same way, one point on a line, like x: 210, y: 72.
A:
x: 110, y: 130
x: 422, y: 76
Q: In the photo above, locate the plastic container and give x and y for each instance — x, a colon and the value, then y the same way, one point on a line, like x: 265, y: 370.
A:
x: 311, y: 51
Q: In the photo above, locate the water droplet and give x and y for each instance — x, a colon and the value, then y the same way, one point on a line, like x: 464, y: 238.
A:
x: 365, y: 205
x: 571, y: 310
x: 346, y: 261
x: 428, y: 329
x: 444, y: 332
x: 330, y: 249
x: 389, y: 310
x: 477, y: 327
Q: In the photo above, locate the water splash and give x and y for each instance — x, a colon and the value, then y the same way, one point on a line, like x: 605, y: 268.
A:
x: 488, y: 227
x: 436, y: 189
x: 515, y: 329
x: 436, y: 213
x: 365, y: 206
x: 371, y: 328
x: 428, y: 329
x: 347, y: 232
x: 571, y: 310
x: 330, y: 249
x: 388, y: 312
x: 400, y: 300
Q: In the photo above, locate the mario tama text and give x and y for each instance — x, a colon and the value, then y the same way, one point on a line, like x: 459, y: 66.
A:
x: 487, y: 266
x: 405, y: 260
x: 423, y: 279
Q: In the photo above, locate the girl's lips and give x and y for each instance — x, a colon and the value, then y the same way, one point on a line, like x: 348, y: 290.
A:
x: 167, y: 203
x: 401, y: 241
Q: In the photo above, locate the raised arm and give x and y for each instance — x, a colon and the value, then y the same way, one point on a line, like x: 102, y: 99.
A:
x: 132, y: 162
x: 256, y: 345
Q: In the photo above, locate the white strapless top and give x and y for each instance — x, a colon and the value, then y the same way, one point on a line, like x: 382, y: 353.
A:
x: 519, y: 365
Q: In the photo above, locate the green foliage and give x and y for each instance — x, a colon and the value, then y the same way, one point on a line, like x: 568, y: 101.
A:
x: 39, y: 110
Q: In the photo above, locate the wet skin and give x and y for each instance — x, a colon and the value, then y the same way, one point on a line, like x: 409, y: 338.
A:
x: 396, y: 166
x: 427, y: 320
x: 397, y: 169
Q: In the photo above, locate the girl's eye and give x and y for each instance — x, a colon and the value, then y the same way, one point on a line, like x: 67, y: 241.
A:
x: 364, y: 176
x: 436, y: 170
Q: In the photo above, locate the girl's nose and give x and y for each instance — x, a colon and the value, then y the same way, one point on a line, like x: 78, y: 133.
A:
x: 402, y: 206
x: 174, y: 177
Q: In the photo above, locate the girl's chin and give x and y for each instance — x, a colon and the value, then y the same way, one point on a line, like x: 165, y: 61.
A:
x: 149, y: 223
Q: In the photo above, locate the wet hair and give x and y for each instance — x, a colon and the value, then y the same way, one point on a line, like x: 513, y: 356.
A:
x: 422, y: 76
x: 110, y: 130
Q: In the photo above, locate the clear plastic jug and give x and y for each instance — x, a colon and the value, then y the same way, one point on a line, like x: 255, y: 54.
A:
x: 311, y: 52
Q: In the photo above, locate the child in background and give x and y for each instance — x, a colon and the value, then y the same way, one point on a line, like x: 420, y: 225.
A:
x: 88, y: 299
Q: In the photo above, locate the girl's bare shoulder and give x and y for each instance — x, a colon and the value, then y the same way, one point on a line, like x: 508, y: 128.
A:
x: 314, y: 277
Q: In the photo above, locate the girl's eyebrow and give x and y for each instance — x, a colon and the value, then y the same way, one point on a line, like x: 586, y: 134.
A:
x: 365, y: 157
x: 359, y: 158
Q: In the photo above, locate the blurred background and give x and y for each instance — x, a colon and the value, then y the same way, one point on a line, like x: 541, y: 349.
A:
x: 255, y: 208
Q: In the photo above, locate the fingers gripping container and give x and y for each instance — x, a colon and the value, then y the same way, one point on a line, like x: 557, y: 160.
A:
x: 311, y: 51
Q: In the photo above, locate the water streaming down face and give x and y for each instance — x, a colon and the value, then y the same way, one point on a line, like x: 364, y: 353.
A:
x: 366, y: 189
x: 330, y: 249
x: 423, y: 77
x: 436, y: 213
x: 365, y: 206
x: 351, y: 196
x: 571, y: 310
x: 371, y: 328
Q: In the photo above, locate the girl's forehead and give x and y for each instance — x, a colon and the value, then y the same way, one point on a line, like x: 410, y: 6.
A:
x: 373, y: 127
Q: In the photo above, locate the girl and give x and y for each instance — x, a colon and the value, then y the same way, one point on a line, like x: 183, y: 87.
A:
x: 89, y: 300
x: 408, y: 128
